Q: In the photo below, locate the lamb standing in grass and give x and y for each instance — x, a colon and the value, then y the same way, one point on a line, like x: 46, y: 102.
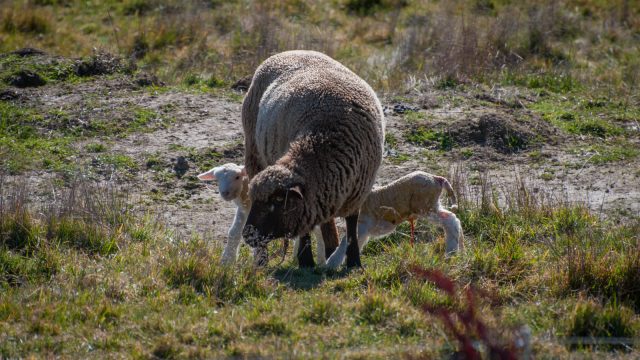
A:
x: 233, y: 185
x: 314, y: 135
x: 413, y: 196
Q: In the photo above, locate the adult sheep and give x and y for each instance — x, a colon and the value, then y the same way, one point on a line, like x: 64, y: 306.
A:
x: 314, y: 135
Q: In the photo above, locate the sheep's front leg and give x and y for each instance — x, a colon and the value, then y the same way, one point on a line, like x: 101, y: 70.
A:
x: 353, y: 251
x: 304, y: 254
x: 230, y: 253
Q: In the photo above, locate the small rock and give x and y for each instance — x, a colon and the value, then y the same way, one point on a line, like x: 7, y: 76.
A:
x: 242, y: 84
x: 144, y: 79
x: 181, y: 166
x: 403, y: 108
x: 428, y: 101
x: 8, y: 94
x: 26, y: 78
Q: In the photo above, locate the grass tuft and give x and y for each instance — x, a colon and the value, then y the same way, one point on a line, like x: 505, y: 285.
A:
x: 590, y: 320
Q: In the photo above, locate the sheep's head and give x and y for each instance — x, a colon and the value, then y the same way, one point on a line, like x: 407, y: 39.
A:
x: 277, y: 204
x: 229, y: 176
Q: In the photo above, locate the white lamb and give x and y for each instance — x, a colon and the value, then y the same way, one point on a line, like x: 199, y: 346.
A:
x: 413, y: 196
x: 233, y: 185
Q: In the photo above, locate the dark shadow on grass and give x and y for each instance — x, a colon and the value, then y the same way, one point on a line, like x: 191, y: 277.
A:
x: 306, y: 279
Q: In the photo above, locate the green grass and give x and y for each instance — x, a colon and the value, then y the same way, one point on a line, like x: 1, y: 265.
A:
x: 578, y: 114
x: 51, y: 71
x: 154, y: 294
x: 560, y: 83
x: 591, y: 320
x: 23, y: 148
x: 425, y: 137
x: 610, y: 153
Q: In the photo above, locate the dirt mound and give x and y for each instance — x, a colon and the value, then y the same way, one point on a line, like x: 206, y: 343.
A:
x: 499, y: 132
x: 101, y: 64
x: 28, y: 52
x: 26, y: 78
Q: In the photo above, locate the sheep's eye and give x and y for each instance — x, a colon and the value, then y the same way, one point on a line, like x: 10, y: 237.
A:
x: 238, y: 177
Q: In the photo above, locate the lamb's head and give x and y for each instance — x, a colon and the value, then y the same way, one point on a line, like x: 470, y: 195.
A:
x: 277, y: 205
x: 229, y: 176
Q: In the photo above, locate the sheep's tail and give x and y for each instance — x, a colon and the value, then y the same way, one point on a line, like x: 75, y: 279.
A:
x: 451, y: 195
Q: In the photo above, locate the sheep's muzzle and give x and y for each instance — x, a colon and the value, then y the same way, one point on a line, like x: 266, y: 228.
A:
x: 253, y: 237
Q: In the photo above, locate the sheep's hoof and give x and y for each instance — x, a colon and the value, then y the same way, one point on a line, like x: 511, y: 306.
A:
x: 306, y: 262
x: 351, y: 263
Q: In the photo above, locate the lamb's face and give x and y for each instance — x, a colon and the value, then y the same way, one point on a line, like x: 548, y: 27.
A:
x: 276, y: 208
x: 230, y: 177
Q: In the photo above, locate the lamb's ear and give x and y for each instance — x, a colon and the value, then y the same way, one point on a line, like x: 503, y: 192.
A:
x: 297, y: 191
x: 207, y: 176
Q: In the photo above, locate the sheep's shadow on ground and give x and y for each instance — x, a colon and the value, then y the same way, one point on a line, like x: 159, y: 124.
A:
x: 306, y: 278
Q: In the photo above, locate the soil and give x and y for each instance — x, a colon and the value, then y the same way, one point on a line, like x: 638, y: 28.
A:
x: 505, y: 141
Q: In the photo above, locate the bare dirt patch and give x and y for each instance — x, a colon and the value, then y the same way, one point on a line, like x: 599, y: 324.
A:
x: 184, y: 132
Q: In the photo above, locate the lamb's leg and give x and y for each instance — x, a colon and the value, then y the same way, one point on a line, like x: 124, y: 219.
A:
x: 329, y: 237
x: 337, y: 258
x: 453, y: 231
x: 353, y: 251
x: 412, y: 222
x: 230, y: 252
x: 305, y: 255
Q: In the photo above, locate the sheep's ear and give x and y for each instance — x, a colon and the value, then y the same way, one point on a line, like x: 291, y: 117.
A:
x: 297, y: 191
x: 243, y: 170
x: 207, y: 176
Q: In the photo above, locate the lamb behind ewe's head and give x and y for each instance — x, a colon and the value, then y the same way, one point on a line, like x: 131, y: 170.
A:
x: 229, y: 176
x: 277, y: 206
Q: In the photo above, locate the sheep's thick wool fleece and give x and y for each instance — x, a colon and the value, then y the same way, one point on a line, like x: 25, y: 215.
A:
x: 319, y: 121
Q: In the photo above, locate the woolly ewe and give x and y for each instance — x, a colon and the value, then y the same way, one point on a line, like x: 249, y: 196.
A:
x: 314, y: 135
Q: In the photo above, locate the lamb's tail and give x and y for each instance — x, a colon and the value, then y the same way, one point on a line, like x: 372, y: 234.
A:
x: 451, y: 195
x: 339, y: 254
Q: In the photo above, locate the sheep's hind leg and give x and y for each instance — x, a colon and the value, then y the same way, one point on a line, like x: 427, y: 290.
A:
x: 353, y: 251
x: 305, y: 255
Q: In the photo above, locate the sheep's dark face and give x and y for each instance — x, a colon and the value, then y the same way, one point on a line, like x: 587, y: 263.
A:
x: 275, y: 217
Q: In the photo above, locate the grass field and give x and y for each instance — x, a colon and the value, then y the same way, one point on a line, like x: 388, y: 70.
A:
x: 107, y: 252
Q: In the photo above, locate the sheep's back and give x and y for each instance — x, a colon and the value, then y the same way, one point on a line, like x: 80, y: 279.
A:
x: 332, y: 102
